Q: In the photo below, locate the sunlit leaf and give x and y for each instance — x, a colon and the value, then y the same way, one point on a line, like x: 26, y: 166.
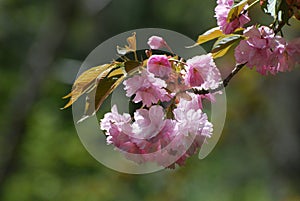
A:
x: 86, y: 82
x: 221, y: 52
x: 278, y: 9
x: 208, y: 35
x: 223, y: 44
x: 95, y: 99
x: 236, y: 10
x: 106, y: 86
x: 270, y: 7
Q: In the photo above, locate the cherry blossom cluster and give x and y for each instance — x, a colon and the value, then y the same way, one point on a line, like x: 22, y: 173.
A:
x: 171, y: 125
x: 267, y: 52
x: 262, y: 48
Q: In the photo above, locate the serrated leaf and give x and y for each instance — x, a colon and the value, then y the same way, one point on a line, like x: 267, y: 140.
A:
x: 223, y: 44
x: 208, y: 35
x: 236, y: 10
x: 86, y: 82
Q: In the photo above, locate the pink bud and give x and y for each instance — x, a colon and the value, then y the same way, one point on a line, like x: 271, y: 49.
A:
x: 156, y: 42
x: 159, y: 65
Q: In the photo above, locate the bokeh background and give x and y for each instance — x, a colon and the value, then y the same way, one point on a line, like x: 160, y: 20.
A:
x: 41, y: 157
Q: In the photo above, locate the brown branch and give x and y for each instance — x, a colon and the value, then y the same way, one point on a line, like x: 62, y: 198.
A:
x: 224, y: 83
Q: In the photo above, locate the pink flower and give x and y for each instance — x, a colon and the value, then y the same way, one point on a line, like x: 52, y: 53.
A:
x: 265, y: 51
x: 114, y: 118
x: 148, y: 123
x: 202, y: 72
x: 125, y: 145
x: 154, y: 148
x: 189, y: 112
x: 146, y: 88
x: 159, y: 65
x: 293, y: 50
x: 222, y: 11
x: 156, y: 42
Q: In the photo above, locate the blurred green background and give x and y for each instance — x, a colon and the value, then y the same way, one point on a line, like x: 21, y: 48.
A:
x: 41, y: 157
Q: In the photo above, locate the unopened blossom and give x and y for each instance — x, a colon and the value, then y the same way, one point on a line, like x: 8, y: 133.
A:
x: 156, y: 42
x: 146, y: 88
x: 159, y: 65
x: 201, y: 71
x: 221, y: 13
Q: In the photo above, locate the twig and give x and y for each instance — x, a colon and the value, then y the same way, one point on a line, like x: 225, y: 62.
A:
x: 224, y: 83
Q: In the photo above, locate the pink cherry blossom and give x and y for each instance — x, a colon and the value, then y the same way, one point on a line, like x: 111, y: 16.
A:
x: 159, y: 65
x: 114, y: 118
x: 222, y: 11
x: 148, y: 123
x: 155, y: 148
x: 293, y: 49
x: 265, y: 51
x: 202, y: 72
x: 156, y: 42
x: 146, y: 88
x: 189, y: 112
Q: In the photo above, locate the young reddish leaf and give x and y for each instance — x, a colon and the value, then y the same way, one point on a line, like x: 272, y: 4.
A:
x: 208, y: 35
x: 131, y: 47
x: 223, y: 44
x: 96, y: 97
x: 105, y: 86
x: 236, y: 10
x: 87, y: 82
x: 131, y: 65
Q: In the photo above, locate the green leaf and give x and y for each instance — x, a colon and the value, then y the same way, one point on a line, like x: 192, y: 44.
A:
x: 208, y: 35
x: 270, y: 7
x: 283, y: 13
x: 236, y: 10
x: 279, y: 10
x: 221, y: 52
x: 223, y: 44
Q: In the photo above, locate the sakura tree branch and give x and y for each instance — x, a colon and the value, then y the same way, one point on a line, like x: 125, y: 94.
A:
x: 224, y: 83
